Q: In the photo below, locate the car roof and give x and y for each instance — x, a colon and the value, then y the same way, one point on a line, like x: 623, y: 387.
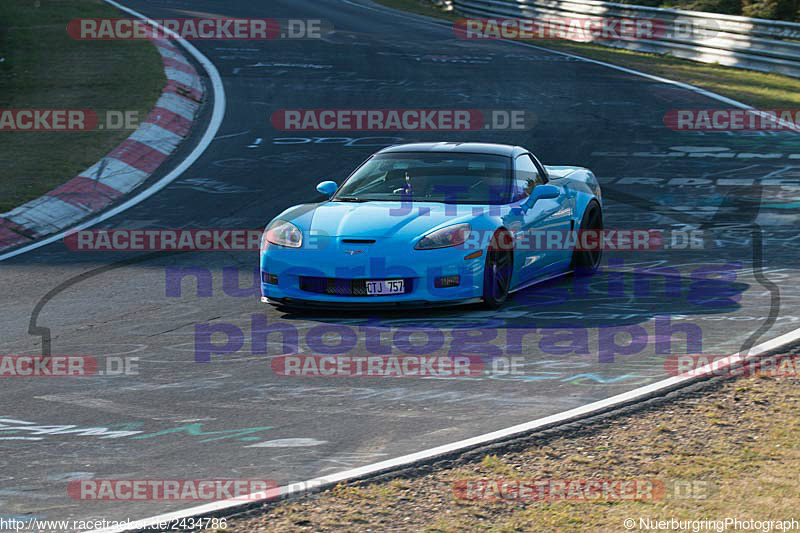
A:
x: 470, y: 148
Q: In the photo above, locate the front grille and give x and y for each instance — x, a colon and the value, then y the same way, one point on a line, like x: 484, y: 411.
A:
x: 344, y: 286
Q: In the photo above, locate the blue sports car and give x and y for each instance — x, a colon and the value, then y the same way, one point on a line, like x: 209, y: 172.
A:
x: 432, y: 223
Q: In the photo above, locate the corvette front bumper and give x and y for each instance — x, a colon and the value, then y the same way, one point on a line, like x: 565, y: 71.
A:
x: 302, y: 275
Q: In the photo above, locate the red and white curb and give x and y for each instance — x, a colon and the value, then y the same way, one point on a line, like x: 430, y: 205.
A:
x: 124, y: 168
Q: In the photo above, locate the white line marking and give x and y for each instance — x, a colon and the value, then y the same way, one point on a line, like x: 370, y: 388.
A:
x: 230, y: 135
x: 217, y: 115
x: 288, y: 443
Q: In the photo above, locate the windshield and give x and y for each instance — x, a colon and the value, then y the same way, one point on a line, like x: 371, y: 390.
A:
x: 458, y: 178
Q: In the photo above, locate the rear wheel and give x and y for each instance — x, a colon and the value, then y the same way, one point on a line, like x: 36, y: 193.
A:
x: 497, y: 273
x: 586, y: 262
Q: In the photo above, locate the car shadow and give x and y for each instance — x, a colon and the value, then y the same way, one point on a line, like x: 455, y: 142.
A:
x: 609, y: 298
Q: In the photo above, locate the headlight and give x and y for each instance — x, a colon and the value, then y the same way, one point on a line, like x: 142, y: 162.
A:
x: 284, y: 233
x: 442, y: 238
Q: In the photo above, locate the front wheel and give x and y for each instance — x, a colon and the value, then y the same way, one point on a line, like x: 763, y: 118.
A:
x: 586, y: 262
x: 497, y: 276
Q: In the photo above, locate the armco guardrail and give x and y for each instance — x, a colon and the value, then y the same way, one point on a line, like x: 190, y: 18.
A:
x: 755, y: 44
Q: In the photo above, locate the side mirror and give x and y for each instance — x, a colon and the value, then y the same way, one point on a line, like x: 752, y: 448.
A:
x: 327, y: 188
x: 543, y: 192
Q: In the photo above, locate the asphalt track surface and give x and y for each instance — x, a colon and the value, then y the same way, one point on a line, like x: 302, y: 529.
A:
x: 229, y: 418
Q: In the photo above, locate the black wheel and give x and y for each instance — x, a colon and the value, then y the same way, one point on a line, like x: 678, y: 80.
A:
x: 497, y: 273
x: 586, y: 262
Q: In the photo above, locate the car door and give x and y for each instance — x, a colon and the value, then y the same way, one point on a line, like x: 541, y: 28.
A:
x: 541, y: 216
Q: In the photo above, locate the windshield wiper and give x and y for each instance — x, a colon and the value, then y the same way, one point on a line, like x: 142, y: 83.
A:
x: 349, y: 199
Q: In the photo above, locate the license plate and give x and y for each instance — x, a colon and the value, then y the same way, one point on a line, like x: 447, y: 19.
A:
x: 392, y: 286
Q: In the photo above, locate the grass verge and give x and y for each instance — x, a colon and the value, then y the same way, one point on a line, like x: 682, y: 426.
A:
x: 734, y: 451
x: 43, y: 68
x: 758, y: 89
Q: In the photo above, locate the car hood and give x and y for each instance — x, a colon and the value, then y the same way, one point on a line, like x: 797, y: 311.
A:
x: 383, y: 219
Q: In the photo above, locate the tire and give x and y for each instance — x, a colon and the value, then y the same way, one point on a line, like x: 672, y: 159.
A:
x: 497, y: 274
x: 586, y: 262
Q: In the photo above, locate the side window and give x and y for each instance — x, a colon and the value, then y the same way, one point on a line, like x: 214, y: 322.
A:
x: 526, y: 177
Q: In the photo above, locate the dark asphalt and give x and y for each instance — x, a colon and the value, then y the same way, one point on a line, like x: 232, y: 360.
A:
x: 225, y: 419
